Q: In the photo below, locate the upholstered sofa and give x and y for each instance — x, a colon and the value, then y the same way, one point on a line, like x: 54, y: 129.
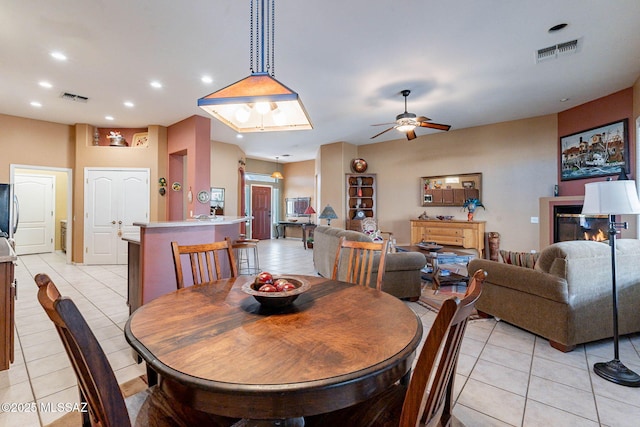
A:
x: 566, y: 298
x: 402, y: 269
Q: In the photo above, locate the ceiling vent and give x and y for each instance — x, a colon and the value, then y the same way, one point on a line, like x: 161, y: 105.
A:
x: 73, y: 97
x: 558, y: 50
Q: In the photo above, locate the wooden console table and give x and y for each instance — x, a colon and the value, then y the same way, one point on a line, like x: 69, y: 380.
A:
x: 466, y: 234
x: 307, y: 228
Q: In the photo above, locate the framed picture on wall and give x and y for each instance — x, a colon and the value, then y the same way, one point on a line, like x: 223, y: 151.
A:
x: 600, y: 151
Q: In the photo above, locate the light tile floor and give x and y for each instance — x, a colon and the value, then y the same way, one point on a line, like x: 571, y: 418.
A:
x: 506, y: 376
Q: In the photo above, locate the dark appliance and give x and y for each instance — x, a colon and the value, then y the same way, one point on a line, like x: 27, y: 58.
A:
x: 8, y: 211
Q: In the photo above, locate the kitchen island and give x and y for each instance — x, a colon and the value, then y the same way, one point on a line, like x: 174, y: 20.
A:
x: 151, y: 271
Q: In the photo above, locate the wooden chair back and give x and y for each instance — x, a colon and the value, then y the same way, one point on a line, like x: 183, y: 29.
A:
x: 429, y: 397
x: 356, y: 260
x: 206, y: 261
x: 97, y: 382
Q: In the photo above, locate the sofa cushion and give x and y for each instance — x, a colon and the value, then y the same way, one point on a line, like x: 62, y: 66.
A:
x: 521, y: 259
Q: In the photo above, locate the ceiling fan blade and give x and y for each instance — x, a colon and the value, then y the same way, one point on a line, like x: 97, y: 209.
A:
x: 386, y: 130
x: 422, y: 119
x: 411, y: 135
x: 435, y: 126
x: 382, y: 124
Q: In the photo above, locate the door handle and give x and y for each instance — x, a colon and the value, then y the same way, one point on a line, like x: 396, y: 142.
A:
x: 113, y: 222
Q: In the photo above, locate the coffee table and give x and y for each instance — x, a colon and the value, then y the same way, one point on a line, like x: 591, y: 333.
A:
x: 435, y: 258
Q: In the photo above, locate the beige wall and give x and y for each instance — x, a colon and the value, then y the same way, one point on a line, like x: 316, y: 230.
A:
x: 299, y: 181
x: 224, y: 173
x: 517, y: 160
x: 334, y: 161
x: 34, y: 142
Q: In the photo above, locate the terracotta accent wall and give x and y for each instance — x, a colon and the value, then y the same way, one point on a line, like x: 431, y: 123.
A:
x: 517, y: 160
x: 188, y: 141
x: 602, y: 111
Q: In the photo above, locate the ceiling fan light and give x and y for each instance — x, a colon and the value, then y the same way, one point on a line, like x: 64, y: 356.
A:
x: 406, y: 127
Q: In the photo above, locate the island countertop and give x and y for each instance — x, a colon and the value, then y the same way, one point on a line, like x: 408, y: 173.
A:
x: 6, y: 251
x: 219, y: 220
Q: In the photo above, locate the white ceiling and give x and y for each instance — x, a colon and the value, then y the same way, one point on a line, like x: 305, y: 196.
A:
x: 467, y: 62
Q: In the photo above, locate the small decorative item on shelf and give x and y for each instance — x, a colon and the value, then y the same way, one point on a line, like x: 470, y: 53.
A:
x: 470, y: 205
x: 116, y: 140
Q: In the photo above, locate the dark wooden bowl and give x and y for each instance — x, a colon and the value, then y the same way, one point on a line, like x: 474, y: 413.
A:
x: 277, y: 299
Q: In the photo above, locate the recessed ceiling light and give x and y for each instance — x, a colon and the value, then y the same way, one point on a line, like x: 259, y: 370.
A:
x: 156, y: 84
x: 108, y: 117
x: 557, y: 27
x: 564, y: 99
x: 59, y: 56
x: 36, y: 104
x: 207, y: 79
x: 239, y: 136
x: 128, y: 104
x: 45, y: 84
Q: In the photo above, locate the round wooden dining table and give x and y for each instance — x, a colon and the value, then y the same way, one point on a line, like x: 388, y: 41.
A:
x: 216, y: 349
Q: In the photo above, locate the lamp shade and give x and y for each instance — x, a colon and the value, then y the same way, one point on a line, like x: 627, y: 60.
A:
x: 328, y: 213
x: 611, y: 198
x: 309, y: 210
x: 277, y: 175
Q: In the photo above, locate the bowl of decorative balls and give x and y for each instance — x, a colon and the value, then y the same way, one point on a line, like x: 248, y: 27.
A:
x: 275, y: 291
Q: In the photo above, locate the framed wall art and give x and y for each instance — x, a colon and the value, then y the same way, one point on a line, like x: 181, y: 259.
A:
x: 600, y: 151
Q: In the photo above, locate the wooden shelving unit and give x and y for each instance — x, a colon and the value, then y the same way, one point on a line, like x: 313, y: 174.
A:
x: 361, y: 199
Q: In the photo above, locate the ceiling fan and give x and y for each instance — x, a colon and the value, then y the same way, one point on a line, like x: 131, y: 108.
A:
x: 407, y: 122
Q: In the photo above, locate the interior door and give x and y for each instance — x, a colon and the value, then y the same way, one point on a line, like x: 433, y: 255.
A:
x: 114, y: 200
x: 35, y: 233
x: 261, y: 211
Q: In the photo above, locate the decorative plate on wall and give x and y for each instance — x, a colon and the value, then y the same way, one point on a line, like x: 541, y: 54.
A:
x: 204, y: 196
x: 359, y: 165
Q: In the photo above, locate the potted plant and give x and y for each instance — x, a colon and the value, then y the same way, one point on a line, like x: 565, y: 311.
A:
x: 310, y: 242
x: 470, y: 205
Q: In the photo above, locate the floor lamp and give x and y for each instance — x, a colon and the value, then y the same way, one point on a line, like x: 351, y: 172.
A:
x: 613, y: 198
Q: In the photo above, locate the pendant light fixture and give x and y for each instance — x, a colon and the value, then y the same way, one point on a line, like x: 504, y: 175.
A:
x: 277, y: 174
x: 259, y: 102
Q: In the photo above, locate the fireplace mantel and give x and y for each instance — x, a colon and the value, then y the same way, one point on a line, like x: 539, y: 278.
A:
x: 546, y: 215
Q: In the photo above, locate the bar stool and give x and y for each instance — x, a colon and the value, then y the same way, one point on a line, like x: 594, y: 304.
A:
x: 246, y: 253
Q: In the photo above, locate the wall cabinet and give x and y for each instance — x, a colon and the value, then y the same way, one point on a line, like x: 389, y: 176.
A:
x: 467, y: 234
x: 361, y: 199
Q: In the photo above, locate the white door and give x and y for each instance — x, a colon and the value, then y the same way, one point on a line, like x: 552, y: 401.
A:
x: 114, y: 200
x: 36, y: 195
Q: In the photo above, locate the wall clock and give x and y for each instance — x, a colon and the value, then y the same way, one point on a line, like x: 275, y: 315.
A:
x: 358, y: 165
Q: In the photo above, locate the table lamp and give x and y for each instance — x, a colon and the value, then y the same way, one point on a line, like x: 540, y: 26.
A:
x: 309, y: 211
x: 613, y: 198
x: 328, y: 213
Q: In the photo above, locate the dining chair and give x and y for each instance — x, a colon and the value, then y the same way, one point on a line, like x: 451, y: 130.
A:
x: 99, y: 390
x: 428, y: 399
x: 206, y: 261
x: 354, y: 261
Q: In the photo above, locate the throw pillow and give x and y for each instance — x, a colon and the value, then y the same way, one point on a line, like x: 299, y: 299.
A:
x: 521, y: 259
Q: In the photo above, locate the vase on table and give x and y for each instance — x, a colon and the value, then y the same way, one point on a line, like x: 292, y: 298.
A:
x: 470, y: 216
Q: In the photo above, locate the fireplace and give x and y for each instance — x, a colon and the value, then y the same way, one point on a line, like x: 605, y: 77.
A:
x: 569, y: 224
